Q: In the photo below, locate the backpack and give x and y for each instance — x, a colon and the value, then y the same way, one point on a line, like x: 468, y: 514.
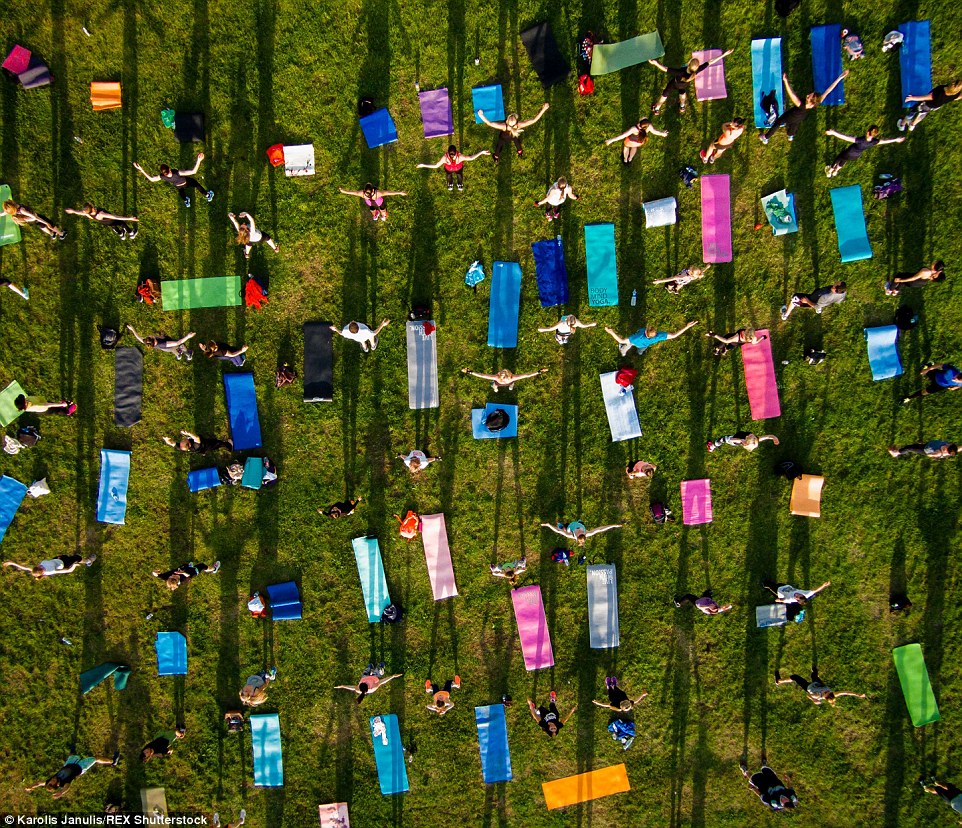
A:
x: 275, y: 155
x: 625, y: 376
x: 586, y: 86
x: 410, y: 525
x: 497, y: 420
x: 365, y: 106
x: 419, y: 313
x: 586, y: 46
x: 889, y: 185
x: 28, y: 436
x: 769, y: 105
x: 786, y: 7
x: 688, y: 174
x: 660, y: 513
x: 561, y: 556
x: 392, y: 614
x: 906, y: 318
x: 788, y: 469
x: 474, y: 275
x: 108, y: 337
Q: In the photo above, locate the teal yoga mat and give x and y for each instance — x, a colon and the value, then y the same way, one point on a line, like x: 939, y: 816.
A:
x: 268, y: 756
x: 392, y: 775
x: 602, y: 265
x: 370, y: 567
x: 207, y: 292
x: 853, y: 243
x: 610, y: 57
x: 916, y: 686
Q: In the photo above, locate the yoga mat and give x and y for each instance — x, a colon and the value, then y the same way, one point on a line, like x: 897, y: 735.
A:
x: 915, y: 59
x: 602, y: 265
x: 334, y: 815
x: 9, y: 229
x: 189, y: 127
x: 489, y: 99
x: 114, y: 476
x: 696, y: 502
x: 760, y: 378
x: 268, y: 756
x: 8, y: 411
x: 105, y: 95
x: 36, y: 75
x: 716, y: 218
x: 438, y: 556
x: 916, y: 687
x: 318, y: 362
x: 883, y: 352
x: 378, y: 128
x: 17, y: 62
x: 128, y: 386
x: 206, y: 292
x: 786, y: 201
x: 853, y: 243
x: 299, y: 160
x: 603, y: 629
x: 620, y: 408
x: 493, y: 741
x: 153, y: 801
x: 550, y: 271
x: 370, y: 568
x: 546, y: 58
x: 806, y: 499
x: 480, y: 415
x: 661, y: 212
x: 284, y: 601
x: 767, y: 76
x: 200, y: 479
x: 611, y: 57
x: 532, y: 627
x: 12, y: 493
x: 827, y: 62
x: 771, y: 615
x: 389, y: 756
x: 171, y: 650
x: 245, y: 426
x: 585, y: 786
x: 422, y: 342
x: 436, y: 113
x: 710, y: 84
x: 253, y: 477
x: 89, y: 679
x: 504, y: 305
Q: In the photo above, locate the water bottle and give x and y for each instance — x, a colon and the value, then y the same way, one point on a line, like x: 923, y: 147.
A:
x: 417, y: 86
x: 634, y: 298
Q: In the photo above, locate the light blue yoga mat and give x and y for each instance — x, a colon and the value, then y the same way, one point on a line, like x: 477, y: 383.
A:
x: 200, y: 479
x: 245, y: 425
x: 622, y: 414
x: 490, y: 99
x: 370, y: 567
x: 915, y: 59
x: 778, y: 206
x: 883, y: 352
x: 853, y: 243
x: 604, y: 631
x: 89, y: 679
x: 493, y: 741
x: 505, y: 305
x: 827, y: 62
x: 171, y: 650
x: 268, y: 756
x: 480, y: 415
x: 601, y: 264
x: 389, y: 755
x: 766, y: 76
x: 12, y: 493
x: 114, y: 476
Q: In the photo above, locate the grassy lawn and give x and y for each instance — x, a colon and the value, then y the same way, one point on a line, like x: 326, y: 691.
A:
x: 266, y: 72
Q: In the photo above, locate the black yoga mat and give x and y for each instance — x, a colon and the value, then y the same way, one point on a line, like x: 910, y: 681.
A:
x: 189, y: 126
x: 545, y: 56
x: 128, y: 386
x: 318, y: 362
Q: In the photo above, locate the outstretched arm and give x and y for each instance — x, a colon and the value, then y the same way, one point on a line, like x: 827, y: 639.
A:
x: 68, y: 569
x: 918, y: 98
x: 599, y: 529
x: 476, y: 156
x: 488, y: 377
x: 250, y: 220
x: 21, y: 567
x: 431, y: 166
x: 558, y: 530
x: 498, y: 125
x: 680, y: 331
x: 617, y: 138
x: 658, y: 65
x: 389, y: 678
x: 193, y: 170
x: 571, y: 713
x: 350, y: 687
x: 549, y: 330
x: 765, y: 437
x: 834, y: 83
x: 534, y: 711
x: 137, y: 336
x: 336, y: 330
x: 185, y: 338
x: 382, y: 326
x: 528, y: 376
x: 579, y: 324
x: 113, y: 217
x: 386, y: 193
x: 850, y: 693
x: 604, y: 704
x: 823, y: 586
x: 154, y: 178
x: 660, y: 133
x: 532, y: 121
x: 840, y: 136
x: 342, y: 191
x: 71, y: 212
x: 898, y: 140
x: 721, y: 57
x: 642, y: 696
x: 233, y: 220
x: 791, y: 92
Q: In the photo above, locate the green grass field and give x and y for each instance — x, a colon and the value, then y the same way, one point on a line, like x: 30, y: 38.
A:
x: 289, y: 72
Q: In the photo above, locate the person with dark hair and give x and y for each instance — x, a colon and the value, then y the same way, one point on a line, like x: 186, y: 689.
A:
x: 859, y: 145
x: 37, y: 406
x: 577, y: 531
x: 175, y: 578
x: 162, y: 744
x: 342, y: 508
x: 769, y: 788
x: 371, y: 679
x: 441, y: 703
x: 177, y: 347
x: 23, y: 216
x: 362, y: 334
x: 373, y: 198
x: 922, y: 277
x: 640, y: 469
x: 504, y: 378
x: 618, y: 699
x: 198, y: 445
x: 933, y: 449
x: 73, y: 768
x: 558, y: 193
x: 818, y: 299
x: 548, y: 718
x: 816, y: 689
x: 646, y: 337
x: 225, y: 352
x: 728, y: 342
x: 679, y: 80
x: 511, y: 571
x: 787, y: 594
x: 742, y: 439
x: 180, y: 180
x: 116, y: 223
x: 946, y: 791
x: 510, y: 129
x: 248, y: 234
x: 792, y: 117
x: 634, y: 138
x: 731, y: 132
x: 942, y: 376
x: 929, y: 102
x: 254, y: 691
x: 706, y: 603
x: 61, y: 565
x: 453, y: 162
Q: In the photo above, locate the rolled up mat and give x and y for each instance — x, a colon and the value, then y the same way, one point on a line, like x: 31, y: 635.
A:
x: 853, y: 243
x: 128, y: 386
x: 490, y: 100
x: 760, y: 380
x: 206, y: 292
x: 480, y: 415
x: 37, y: 74
x: 532, y: 627
x: 9, y: 229
x: 767, y: 77
x: 603, y: 629
x: 114, y: 477
x: 710, y: 83
x: 585, y: 786
x: 716, y: 218
x: 422, y: 347
x: 546, y: 58
x: 89, y: 679
x: 915, y: 59
x: 771, y: 615
x: 392, y: 775
x: 171, y: 648
x: 378, y: 128
x: 318, y: 362
x: 827, y: 62
x: 8, y: 409
x: 200, y: 479
x: 611, y: 57
x: 268, y: 754
x: 189, y: 127
x: 370, y: 568
x: 436, y: 113
x: 504, y: 305
x: 245, y: 425
x: 434, y: 534
x: 253, y: 477
x: 550, y: 271
x: 493, y: 741
x: 883, y: 352
x: 620, y: 408
x: 601, y: 263
x: 12, y: 493
x: 916, y: 687
x: 660, y: 213
x: 696, y: 501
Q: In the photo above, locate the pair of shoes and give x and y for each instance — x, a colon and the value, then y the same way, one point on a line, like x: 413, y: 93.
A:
x: 123, y: 235
x: 784, y: 313
x: 710, y: 445
x: 62, y: 236
x: 496, y: 158
x: 210, y: 196
x: 912, y: 126
x: 553, y: 697
x: 655, y: 109
x: 900, y: 123
x: 762, y: 138
x: 187, y: 201
x: 428, y: 686
x: 828, y: 172
x: 272, y: 674
x: 623, y: 348
x: 216, y: 567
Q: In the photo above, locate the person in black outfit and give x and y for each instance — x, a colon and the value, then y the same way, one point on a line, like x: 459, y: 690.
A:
x: 679, y: 78
x: 548, y: 718
x: 792, y: 117
x: 859, y: 145
x: 340, y: 509
x: 180, y: 179
x: 769, y: 788
x: 200, y: 445
x: 925, y: 104
x: 182, y: 575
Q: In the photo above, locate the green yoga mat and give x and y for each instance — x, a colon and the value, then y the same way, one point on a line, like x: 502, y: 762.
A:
x: 8, y: 411
x: 208, y: 292
x: 9, y: 229
x: 610, y: 57
x: 916, y: 687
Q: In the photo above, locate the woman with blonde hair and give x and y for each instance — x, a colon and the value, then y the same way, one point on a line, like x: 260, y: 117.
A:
x: 254, y: 692
x: 635, y: 137
x: 679, y: 78
x: 510, y: 129
x: 24, y: 216
x: 116, y: 223
x: 936, y: 99
x: 175, y: 578
x: 373, y: 198
x: 248, y: 234
x: 728, y: 342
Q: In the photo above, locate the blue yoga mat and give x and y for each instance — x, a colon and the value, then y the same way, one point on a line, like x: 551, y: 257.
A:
x: 827, y: 62
x: 389, y: 758
x: 550, y: 271
x: 883, y: 352
x: 253, y: 473
x: 915, y: 59
x: 245, y: 426
x: 114, y: 475
x: 12, y: 493
x: 378, y: 128
x: 493, y: 740
x: 853, y: 243
x: 201, y: 479
x: 171, y: 650
x: 601, y: 263
x: 479, y: 415
x: 766, y: 76
x: 370, y: 568
x: 268, y: 756
x: 285, y: 601
x: 491, y: 100
x: 505, y: 305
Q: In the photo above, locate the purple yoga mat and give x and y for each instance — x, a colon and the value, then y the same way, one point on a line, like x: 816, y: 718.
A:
x: 760, y: 378
x: 696, y: 501
x: 436, y: 113
x: 710, y: 84
x: 716, y: 218
x: 532, y: 627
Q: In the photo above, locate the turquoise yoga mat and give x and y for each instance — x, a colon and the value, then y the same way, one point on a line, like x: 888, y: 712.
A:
x: 370, y: 567
x: 268, y: 756
x: 611, y: 57
x: 389, y: 754
x: 853, y: 243
x: 766, y: 77
x: 602, y: 265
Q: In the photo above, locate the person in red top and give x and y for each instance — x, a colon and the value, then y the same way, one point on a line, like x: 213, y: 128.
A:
x: 453, y: 162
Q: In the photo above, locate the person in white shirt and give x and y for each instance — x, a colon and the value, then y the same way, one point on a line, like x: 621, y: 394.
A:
x: 558, y: 193
x: 787, y: 594
x: 361, y: 333
x: 61, y: 565
x: 248, y: 234
x: 417, y: 460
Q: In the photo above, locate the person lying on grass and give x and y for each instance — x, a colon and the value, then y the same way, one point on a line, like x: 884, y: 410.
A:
x: 200, y: 445
x: 933, y: 449
x: 787, y: 594
x: 706, y: 603
x: 743, y: 439
x: 766, y: 785
x: 646, y: 337
x: 371, y: 679
x: 116, y: 223
x: 61, y: 565
x: 548, y: 718
x: 792, y: 117
x: 73, y: 768
x: 504, y: 378
x: 441, y: 703
x: 577, y: 531
x: 684, y: 277
x: 923, y: 276
x: 175, y: 578
x: 618, y: 699
x: 817, y: 690
x: 164, y: 343
x: 817, y: 300
x: 254, y: 691
x: 564, y: 329
x: 162, y: 744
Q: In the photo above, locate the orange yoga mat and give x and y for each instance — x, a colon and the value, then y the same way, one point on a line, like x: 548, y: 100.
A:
x: 585, y: 786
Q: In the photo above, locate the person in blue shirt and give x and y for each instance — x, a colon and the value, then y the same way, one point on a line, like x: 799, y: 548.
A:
x: 645, y: 338
x: 935, y: 449
x: 943, y: 376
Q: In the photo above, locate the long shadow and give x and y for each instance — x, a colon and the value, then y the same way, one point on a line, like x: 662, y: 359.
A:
x: 895, y: 721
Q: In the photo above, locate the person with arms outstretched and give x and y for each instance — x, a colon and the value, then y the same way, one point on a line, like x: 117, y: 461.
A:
x: 181, y: 180
x: 792, y: 117
x: 510, y: 129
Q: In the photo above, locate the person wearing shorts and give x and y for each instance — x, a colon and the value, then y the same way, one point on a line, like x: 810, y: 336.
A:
x: 342, y: 508
x: 743, y: 439
x: 942, y: 376
x: 416, y: 460
x: 510, y: 129
x: 558, y: 193
x: 373, y: 198
x: 577, y: 531
x: 816, y: 689
x: 787, y: 594
x: 933, y: 449
x: 61, y: 565
x: 769, y: 788
x: 453, y: 162
x: 177, y: 347
x: 116, y: 223
x: 706, y: 603
x: 565, y: 328
x: 180, y: 180
x: 362, y: 334
x: 680, y: 78
x: 175, y: 578
x: 934, y: 273
x: 23, y: 216
x: 371, y: 679
x: 930, y: 102
x: 684, y: 277
x: 441, y: 703
x: 162, y: 744
x: 646, y: 337
x: 198, y: 445
x: 634, y: 138
x: 73, y: 768
x: 818, y: 299
x: 548, y: 718
x: 618, y: 699
x: 254, y: 691
x: 949, y: 793
x: 792, y: 117
x: 248, y: 234
x: 731, y: 132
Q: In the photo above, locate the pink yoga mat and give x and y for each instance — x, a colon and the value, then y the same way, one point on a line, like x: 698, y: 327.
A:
x: 438, y: 556
x: 716, y: 218
x: 696, y: 501
x: 532, y: 627
x: 710, y: 84
x: 760, y: 378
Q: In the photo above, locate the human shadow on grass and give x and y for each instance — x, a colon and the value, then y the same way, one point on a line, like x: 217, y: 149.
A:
x: 265, y: 18
x: 896, y: 723
x: 456, y: 36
